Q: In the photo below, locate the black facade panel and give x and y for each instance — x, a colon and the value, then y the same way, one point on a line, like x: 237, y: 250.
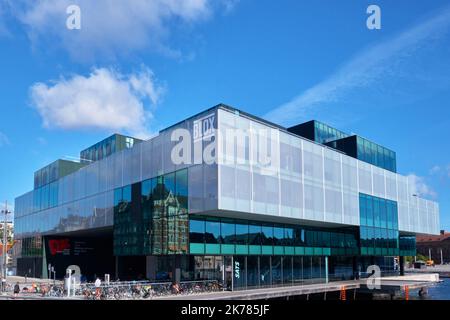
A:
x: 305, y: 130
x: 347, y: 145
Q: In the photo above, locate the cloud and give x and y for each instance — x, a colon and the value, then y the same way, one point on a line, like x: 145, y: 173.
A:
x: 442, y: 172
x: 419, y: 187
x: 4, y: 140
x: 110, y: 28
x: 105, y: 99
x: 366, y: 67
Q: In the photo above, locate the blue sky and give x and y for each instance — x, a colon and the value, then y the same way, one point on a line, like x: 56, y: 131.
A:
x: 139, y: 66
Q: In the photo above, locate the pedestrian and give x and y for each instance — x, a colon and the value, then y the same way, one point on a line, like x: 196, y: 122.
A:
x: 98, y: 284
x: 16, y: 289
x: 3, y: 284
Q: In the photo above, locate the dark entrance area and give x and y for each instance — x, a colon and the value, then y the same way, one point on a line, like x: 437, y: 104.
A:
x: 131, y: 268
x: 29, y: 267
x: 91, y: 252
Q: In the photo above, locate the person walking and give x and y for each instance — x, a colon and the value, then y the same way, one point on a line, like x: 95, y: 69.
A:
x: 98, y: 284
x: 16, y: 289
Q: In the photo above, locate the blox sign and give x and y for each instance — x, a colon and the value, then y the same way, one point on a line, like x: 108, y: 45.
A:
x: 204, y: 128
x: 195, y: 146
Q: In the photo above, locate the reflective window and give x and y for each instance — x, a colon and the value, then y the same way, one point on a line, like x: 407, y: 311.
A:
x: 212, y: 233
x: 278, y: 236
x: 267, y: 236
x: 228, y: 235
x: 196, y: 231
x: 254, y: 234
x: 241, y: 233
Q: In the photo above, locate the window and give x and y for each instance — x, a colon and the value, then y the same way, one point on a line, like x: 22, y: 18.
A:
x: 254, y: 234
x: 197, y: 231
x: 299, y: 236
x: 228, y: 233
x: 267, y: 235
x: 278, y: 236
x: 212, y: 233
x: 242, y: 234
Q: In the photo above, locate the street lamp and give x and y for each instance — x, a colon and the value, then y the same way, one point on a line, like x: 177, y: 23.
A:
x: 5, y: 239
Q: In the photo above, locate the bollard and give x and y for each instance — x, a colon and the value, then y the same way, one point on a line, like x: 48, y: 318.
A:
x: 343, y: 294
x: 406, y: 293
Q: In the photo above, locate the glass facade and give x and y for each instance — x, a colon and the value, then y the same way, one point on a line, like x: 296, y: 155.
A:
x: 55, y: 171
x: 375, y: 154
x: 250, y: 272
x: 150, y: 218
x: 216, y: 236
x: 379, y: 226
x: 107, y: 147
x: 407, y: 246
x: 154, y: 206
x: 324, y: 133
x: 306, y: 180
x: 31, y: 247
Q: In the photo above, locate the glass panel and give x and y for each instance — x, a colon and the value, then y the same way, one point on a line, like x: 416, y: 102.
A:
x: 265, y: 274
x: 228, y: 233
x: 267, y: 235
x: 241, y: 233
x: 287, y: 270
x: 212, y: 233
x: 252, y: 272
x: 254, y: 234
x: 276, y: 271
x: 239, y: 273
x: 196, y: 231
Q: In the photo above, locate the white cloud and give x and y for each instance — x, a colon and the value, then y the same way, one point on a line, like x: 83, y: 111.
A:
x: 110, y: 28
x: 436, y: 169
x: 441, y: 171
x: 419, y: 187
x: 105, y: 99
x: 366, y: 67
x: 3, y: 139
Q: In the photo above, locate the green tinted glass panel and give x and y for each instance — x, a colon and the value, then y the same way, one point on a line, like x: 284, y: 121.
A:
x: 227, y: 249
x: 212, y: 248
x: 267, y: 250
x: 318, y: 251
x: 197, y: 248
x: 254, y: 249
x: 241, y: 249
x: 289, y: 250
x: 278, y: 250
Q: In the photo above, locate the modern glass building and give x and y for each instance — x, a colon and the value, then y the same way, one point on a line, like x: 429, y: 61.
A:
x: 224, y: 195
